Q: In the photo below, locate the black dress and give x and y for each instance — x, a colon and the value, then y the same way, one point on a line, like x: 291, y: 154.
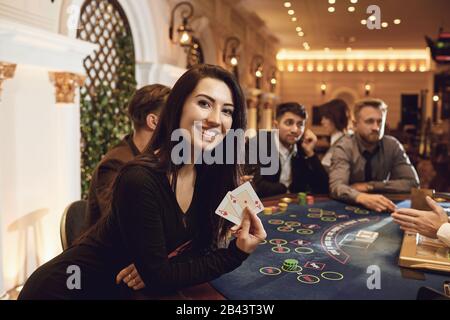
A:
x: 145, y: 226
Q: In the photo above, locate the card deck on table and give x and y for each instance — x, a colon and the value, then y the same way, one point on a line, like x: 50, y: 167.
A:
x: 368, y: 236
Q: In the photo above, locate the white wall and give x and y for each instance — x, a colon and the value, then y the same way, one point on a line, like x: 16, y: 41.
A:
x: 304, y: 87
x: 41, y: 14
x: 40, y: 143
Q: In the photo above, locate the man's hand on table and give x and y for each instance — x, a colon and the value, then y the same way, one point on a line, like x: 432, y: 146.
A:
x: 375, y: 202
x: 362, y: 187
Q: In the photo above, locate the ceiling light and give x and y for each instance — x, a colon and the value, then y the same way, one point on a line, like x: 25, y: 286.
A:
x: 298, y: 29
x: 301, y: 34
x: 364, y: 22
x: 354, y: 1
x: 331, y: 9
x: 331, y: 1
x: 397, y: 21
x: 435, y: 98
x: 351, y: 9
x: 385, y: 24
x: 372, y: 18
x: 291, y: 12
x: 293, y: 19
x: 287, y: 4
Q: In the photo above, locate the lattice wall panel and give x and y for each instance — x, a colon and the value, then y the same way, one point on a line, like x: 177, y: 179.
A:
x: 102, y: 22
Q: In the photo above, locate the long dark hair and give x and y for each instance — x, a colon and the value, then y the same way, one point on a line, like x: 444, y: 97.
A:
x: 338, y: 112
x: 213, y: 181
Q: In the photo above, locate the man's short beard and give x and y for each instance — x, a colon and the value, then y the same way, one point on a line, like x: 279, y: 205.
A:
x: 370, y: 142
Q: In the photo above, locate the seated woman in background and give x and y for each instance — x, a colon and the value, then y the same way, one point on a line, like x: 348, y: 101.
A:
x: 335, y: 120
x: 162, y: 217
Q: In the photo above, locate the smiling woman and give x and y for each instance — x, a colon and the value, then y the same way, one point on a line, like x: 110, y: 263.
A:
x: 163, y: 217
x: 210, y: 108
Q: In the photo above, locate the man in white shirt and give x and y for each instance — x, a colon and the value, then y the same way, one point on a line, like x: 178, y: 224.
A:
x: 432, y: 224
x: 300, y: 169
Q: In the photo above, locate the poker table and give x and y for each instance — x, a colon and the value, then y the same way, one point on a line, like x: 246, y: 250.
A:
x: 332, y: 264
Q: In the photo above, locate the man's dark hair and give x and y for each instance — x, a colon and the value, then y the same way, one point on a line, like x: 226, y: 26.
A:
x: 293, y: 107
x: 146, y: 100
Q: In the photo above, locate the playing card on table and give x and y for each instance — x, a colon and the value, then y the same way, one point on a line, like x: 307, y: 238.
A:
x: 227, y: 211
x: 245, y: 196
x: 368, y: 236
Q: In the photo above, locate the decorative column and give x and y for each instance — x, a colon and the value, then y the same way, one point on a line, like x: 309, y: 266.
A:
x: 252, y: 114
x: 7, y: 71
x: 267, y: 109
x: 65, y: 84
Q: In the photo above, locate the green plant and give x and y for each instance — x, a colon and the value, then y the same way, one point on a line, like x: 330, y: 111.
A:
x: 104, y: 121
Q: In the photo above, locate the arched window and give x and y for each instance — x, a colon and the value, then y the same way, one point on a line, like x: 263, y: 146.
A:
x: 110, y: 81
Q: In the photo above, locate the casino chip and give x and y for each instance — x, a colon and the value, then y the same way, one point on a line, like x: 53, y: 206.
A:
x: 286, y: 200
x: 301, y: 198
x: 290, y: 264
x: 283, y: 206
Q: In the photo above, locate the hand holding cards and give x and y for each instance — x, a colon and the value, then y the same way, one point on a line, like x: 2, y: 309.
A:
x: 234, y: 203
x: 240, y: 206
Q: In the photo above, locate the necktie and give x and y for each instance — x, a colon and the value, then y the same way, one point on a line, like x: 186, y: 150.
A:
x: 368, y: 167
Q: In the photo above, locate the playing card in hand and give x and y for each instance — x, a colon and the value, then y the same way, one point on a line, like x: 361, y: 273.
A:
x: 245, y: 196
x: 227, y: 211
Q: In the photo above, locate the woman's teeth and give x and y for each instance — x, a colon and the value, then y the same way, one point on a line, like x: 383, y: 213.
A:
x: 209, y: 135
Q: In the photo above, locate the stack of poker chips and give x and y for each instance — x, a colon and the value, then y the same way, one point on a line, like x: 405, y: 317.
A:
x: 268, y: 211
x: 282, y: 206
x: 310, y: 200
x: 290, y: 264
x: 302, y: 198
x: 284, y: 202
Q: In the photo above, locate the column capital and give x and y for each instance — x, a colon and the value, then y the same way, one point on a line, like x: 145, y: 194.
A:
x: 65, y: 84
x: 7, y: 71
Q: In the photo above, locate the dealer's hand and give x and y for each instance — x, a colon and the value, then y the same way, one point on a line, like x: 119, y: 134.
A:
x: 426, y: 223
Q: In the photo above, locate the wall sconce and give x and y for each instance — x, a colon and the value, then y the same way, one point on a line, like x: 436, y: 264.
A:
x: 7, y: 71
x: 273, y: 79
x: 65, y: 84
x: 368, y: 88
x: 257, y: 69
x: 231, y: 43
x: 323, y: 88
x: 184, y: 31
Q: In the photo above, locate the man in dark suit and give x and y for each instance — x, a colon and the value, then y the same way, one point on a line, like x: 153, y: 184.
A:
x: 299, y: 168
x: 143, y: 110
